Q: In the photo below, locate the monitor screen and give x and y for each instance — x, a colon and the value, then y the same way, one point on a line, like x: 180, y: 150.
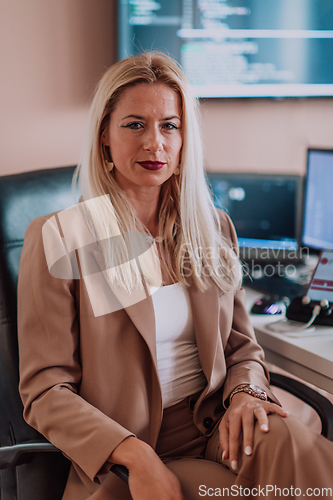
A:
x: 318, y: 200
x: 263, y: 208
x: 237, y: 48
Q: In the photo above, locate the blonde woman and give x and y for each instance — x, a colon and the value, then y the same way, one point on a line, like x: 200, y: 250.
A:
x: 135, y: 344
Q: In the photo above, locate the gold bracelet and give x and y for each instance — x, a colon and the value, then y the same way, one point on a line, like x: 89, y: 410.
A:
x: 252, y: 390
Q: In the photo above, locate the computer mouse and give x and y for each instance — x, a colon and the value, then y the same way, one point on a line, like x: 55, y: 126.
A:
x: 268, y: 305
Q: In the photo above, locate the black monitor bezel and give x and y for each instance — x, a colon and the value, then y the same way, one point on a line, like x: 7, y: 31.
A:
x: 305, y: 190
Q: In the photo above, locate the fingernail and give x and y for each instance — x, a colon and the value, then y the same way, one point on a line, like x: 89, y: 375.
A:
x: 264, y: 427
x: 248, y: 450
x: 223, y: 455
x: 234, y: 464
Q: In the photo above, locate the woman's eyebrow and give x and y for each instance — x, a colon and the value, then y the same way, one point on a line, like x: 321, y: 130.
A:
x: 171, y: 118
x: 137, y: 117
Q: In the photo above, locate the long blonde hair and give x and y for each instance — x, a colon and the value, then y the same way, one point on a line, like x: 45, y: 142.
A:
x: 189, y: 225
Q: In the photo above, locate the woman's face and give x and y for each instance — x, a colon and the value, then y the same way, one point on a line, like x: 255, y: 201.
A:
x: 145, y: 135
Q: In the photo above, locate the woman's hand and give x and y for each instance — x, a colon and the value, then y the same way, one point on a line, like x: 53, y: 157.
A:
x: 148, y: 476
x: 238, y: 424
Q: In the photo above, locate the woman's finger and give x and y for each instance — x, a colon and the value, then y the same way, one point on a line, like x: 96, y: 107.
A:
x: 262, y: 409
x: 248, y: 420
x: 224, y: 437
x: 235, y: 431
x: 273, y: 408
x: 260, y: 414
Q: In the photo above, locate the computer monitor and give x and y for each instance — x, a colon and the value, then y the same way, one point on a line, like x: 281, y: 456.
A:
x: 264, y: 209
x: 237, y: 48
x: 318, y: 200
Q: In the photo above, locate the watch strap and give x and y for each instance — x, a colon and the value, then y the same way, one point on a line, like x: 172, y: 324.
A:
x: 256, y: 393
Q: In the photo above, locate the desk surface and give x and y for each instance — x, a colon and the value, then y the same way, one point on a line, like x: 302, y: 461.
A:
x: 309, y: 357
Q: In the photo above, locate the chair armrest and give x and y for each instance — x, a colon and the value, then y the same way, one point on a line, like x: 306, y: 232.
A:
x: 120, y: 471
x: 319, y: 403
x: 17, y: 454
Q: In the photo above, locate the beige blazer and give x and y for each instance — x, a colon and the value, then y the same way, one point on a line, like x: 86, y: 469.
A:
x: 88, y: 382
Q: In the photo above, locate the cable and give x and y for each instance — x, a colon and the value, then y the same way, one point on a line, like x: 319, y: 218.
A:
x: 315, y: 313
x: 286, y: 326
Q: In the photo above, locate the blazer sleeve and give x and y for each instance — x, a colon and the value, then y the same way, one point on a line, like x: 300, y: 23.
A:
x: 50, y: 370
x: 245, y: 360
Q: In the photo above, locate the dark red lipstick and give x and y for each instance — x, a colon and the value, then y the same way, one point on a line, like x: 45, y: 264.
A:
x: 151, y: 165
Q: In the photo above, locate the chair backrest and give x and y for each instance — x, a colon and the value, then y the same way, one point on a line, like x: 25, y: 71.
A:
x: 24, y: 197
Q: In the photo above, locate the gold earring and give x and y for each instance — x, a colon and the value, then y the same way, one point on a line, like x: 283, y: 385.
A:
x: 177, y: 171
x: 109, y: 165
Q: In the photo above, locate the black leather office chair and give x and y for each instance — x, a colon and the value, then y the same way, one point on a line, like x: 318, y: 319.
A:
x: 42, y: 475
x: 30, y: 467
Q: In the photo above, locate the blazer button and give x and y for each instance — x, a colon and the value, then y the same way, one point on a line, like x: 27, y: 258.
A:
x: 208, y: 423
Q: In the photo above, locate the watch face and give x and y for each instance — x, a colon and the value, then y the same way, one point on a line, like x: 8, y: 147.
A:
x: 257, y: 389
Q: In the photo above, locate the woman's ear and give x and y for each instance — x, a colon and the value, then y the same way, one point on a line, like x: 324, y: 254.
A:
x: 105, y: 138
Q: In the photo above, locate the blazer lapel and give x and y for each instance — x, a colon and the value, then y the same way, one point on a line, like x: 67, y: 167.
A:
x: 205, y: 310
x: 138, y: 305
x: 143, y: 317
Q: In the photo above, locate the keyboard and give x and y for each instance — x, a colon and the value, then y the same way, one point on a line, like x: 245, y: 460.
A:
x: 276, y: 286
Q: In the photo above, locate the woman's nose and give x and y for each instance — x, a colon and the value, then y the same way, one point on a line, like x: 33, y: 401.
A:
x: 153, y: 141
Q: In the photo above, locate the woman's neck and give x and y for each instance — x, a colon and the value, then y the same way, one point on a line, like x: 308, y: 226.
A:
x: 145, y: 203
x: 145, y: 200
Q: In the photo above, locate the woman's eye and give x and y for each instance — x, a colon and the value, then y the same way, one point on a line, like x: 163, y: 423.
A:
x: 134, y: 125
x: 170, y: 126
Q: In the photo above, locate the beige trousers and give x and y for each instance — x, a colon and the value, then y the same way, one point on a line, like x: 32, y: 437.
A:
x: 289, y: 461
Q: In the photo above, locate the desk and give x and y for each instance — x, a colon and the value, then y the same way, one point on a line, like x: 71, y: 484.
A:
x: 310, y: 358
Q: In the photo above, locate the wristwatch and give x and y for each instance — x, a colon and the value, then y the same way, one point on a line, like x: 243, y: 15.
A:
x: 252, y: 390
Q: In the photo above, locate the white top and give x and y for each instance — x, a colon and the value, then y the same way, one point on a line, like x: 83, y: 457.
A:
x: 178, y: 361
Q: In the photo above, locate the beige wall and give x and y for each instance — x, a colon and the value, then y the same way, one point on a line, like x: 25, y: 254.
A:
x: 265, y: 135
x: 54, y: 51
